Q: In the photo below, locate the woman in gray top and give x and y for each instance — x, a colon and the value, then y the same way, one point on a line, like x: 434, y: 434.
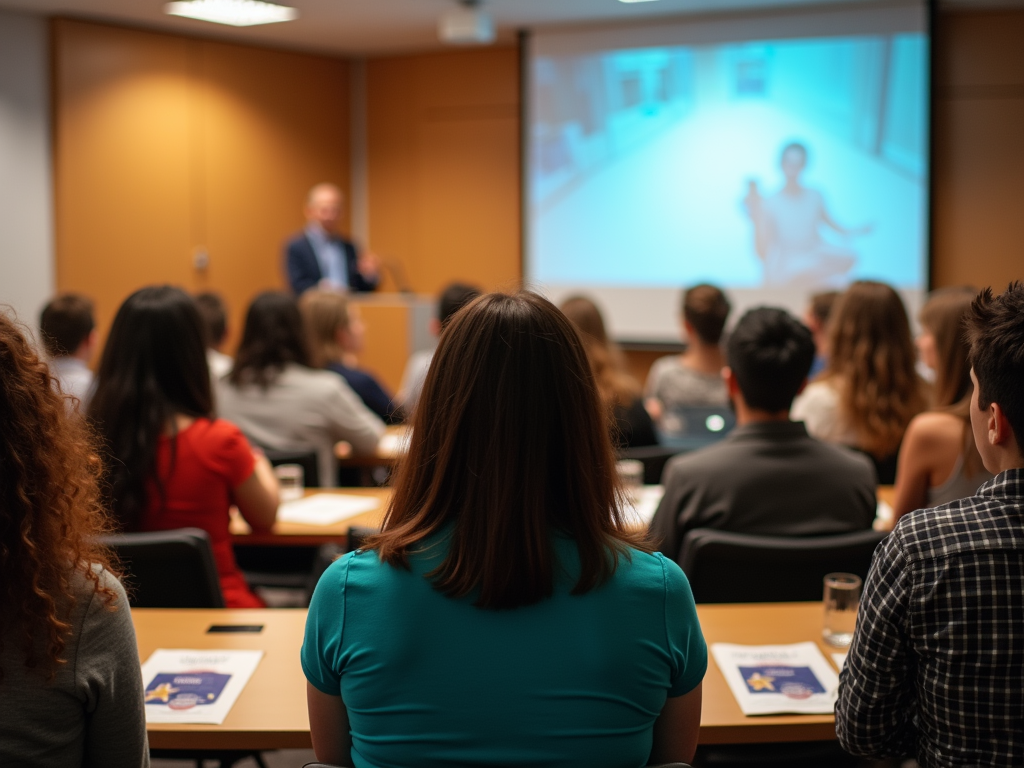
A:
x: 70, y: 683
x: 280, y: 402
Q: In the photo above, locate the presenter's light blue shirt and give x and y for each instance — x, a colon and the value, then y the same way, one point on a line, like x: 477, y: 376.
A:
x: 570, y: 681
x: 329, y: 256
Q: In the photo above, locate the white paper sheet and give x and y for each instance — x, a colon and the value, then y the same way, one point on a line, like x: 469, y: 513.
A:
x: 641, y: 513
x: 884, y: 514
x: 325, y: 508
x: 778, y: 679
x: 840, y: 660
x: 195, y: 686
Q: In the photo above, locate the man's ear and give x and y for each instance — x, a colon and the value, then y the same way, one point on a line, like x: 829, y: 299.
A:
x: 999, y: 430
x: 732, y: 386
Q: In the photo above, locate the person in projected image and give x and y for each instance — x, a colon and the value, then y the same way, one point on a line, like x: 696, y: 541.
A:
x: 787, y: 230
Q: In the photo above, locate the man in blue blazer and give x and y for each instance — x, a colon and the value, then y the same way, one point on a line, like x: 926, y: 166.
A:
x: 320, y: 257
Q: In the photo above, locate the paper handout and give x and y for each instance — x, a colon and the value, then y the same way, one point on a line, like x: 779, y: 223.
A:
x: 641, y: 510
x: 195, y: 686
x: 778, y: 679
x: 325, y: 508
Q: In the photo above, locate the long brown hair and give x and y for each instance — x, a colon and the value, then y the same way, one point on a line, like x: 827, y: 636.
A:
x: 508, y: 447
x: 615, y: 386
x: 324, y: 313
x: 50, y: 510
x: 871, y: 362
x: 943, y: 316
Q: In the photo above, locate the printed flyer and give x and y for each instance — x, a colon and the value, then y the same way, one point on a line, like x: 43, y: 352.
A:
x: 778, y: 679
x: 195, y: 686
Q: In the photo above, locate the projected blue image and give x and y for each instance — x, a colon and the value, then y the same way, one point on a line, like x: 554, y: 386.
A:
x: 796, y: 164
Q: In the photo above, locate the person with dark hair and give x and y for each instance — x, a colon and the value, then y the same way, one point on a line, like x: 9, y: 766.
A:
x: 870, y: 390
x: 68, y: 331
x: 335, y: 332
x: 70, y: 683
x: 619, y: 391
x: 281, y: 402
x: 526, y: 623
x: 695, y: 377
x: 936, y: 667
x: 816, y: 318
x: 214, y: 315
x: 452, y: 299
x: 320, y: 257
x: 787, y: 229
x: 768, y: 476
x: 938, y: 460
x: 170, y: 462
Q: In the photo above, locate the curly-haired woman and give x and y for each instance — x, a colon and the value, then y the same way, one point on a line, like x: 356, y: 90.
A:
x: 70, y: 685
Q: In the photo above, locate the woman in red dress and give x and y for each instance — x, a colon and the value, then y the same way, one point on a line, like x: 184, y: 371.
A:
x: 171, y: 462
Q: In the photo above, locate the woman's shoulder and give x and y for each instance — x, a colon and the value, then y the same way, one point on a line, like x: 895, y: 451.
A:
x: 935, y: 429
x: 649, y: 571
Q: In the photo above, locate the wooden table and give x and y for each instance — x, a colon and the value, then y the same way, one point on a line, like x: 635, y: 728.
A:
x: 300, y: 535
x: 271, y: 712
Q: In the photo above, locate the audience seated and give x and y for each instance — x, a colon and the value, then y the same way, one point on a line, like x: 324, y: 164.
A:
x: 869, y: 390
x: 334, y: 332
x: 71, y: 687
x: 452, y: 299
x: 506, y: 615
x: 620, y: 392
x: 69, y: 335
x: 694, y: 377
x: 171, y: 463
x: 768, y: 476
x: 215, y: 326
x: 936, y: 667
x: 938, y: 459
x: 816, y: 318
x: 280, y: 401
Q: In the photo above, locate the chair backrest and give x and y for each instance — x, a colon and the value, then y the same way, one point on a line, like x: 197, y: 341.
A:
x: 725, y: 567
x: 168, y: 569
x: 653, y: 457
x: 305, y: 459
x: 693, y: 427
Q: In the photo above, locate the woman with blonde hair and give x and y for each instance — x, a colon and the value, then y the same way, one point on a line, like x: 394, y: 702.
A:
x: 335, y: 334
x: 507, y: 614
x: 70, y: 683
x: 870, y: 389
x: 620, y: 392
x: 938, y: 461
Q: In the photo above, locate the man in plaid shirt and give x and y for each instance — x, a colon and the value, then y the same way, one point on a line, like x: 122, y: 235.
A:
x: 936, y: 668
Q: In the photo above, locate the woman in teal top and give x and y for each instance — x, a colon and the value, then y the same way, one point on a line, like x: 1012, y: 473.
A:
x: 505, y: 615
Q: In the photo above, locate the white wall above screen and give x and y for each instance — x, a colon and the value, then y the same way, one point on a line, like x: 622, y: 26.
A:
x: 655, y: 160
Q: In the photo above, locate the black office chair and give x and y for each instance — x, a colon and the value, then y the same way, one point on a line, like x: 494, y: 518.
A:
x: 727, y: 567
x: 168, y: 569
x: 653, y: 457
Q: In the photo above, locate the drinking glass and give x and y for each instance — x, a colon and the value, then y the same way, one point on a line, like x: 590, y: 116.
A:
x: 631, y: 475
x: 842, y: 598
x: 289, y: 479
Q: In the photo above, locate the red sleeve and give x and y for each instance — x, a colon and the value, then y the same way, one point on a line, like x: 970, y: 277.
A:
x: 229, y: 452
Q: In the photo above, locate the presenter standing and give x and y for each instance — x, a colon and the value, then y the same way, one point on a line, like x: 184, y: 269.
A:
x: 320, y: 257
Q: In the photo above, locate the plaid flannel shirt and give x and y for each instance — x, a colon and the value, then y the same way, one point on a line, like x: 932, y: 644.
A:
x: 936, y: 668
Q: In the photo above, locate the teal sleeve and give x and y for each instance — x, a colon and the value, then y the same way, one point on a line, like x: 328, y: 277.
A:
x: 687, y: 650
x: 325, y: 625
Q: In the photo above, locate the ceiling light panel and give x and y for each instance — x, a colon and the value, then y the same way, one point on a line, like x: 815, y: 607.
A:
x: 237, y: 13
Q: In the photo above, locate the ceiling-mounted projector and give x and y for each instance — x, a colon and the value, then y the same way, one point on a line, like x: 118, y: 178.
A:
x: 468, y: 24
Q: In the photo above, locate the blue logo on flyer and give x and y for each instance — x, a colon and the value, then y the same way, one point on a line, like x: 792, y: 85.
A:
x: 793, y: 682
x: 184, y: 690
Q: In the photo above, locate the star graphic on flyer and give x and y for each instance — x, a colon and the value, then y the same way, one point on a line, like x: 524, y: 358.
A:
x: 162, y: 692
x: 760, y: 682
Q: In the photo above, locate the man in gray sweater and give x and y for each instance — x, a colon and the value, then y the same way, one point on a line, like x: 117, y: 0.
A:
x: 768, y: 477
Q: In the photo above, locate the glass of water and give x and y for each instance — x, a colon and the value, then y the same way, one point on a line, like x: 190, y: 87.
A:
x: 631, y: 475
x: 290, y: 481
x: 842, y: 598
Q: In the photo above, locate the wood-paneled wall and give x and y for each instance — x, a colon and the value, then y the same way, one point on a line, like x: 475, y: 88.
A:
x: 443, y: 166
x: 979, y: 148
x: 166, y: 145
